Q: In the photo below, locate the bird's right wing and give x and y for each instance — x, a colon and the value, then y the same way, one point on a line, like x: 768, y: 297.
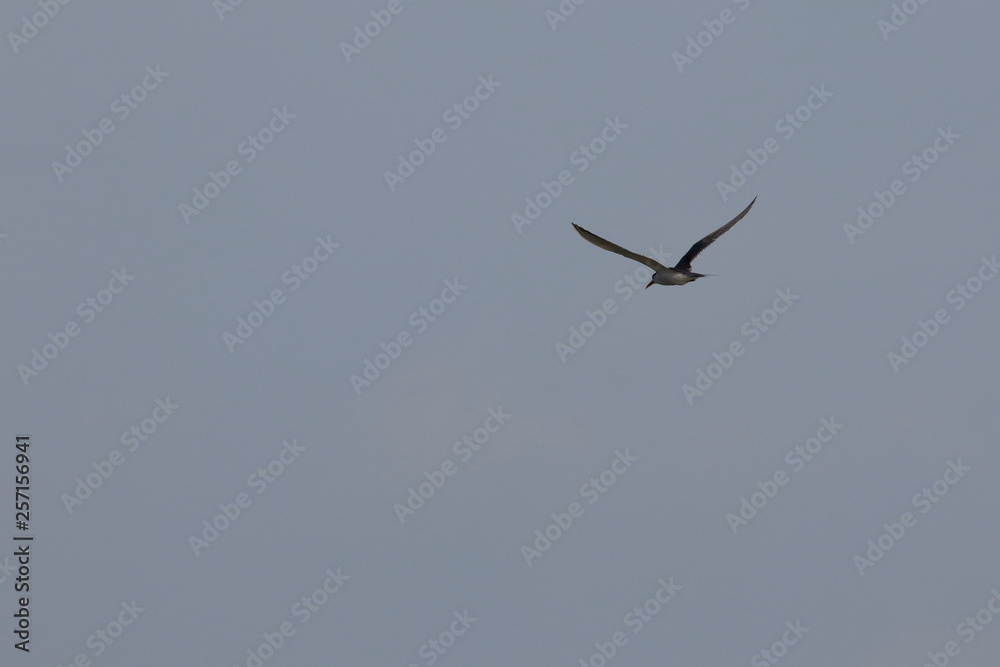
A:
x: 685, y: 263
x: 608, y: 245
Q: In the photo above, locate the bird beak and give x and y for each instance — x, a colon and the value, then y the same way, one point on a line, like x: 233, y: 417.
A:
x: 650, y: 283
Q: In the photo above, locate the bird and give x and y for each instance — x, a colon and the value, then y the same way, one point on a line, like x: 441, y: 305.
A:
x: 679, y: 274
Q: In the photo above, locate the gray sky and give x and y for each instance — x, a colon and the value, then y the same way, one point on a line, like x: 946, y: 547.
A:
x: 319, y: 288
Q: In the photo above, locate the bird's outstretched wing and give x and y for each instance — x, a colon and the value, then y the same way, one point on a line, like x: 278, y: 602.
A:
x: 608, y: 245
x: 685, y: 263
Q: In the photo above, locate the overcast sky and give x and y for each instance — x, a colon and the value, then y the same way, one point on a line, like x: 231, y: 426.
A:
x: 316, y: 371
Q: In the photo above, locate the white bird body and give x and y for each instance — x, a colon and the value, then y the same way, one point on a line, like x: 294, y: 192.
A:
x: 668, y: 276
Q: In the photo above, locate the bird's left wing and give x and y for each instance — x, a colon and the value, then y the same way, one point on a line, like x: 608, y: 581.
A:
x: 608, y: 245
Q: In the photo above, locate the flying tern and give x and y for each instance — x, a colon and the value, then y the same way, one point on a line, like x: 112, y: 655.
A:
x: 681, y: 274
